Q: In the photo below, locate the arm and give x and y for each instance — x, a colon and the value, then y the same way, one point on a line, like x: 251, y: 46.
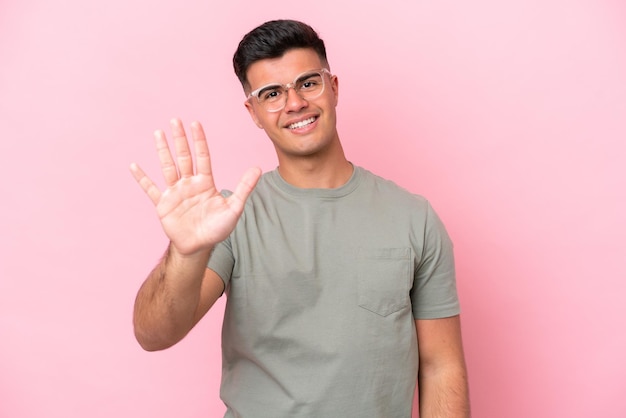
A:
x: 195, y: 217
x: 442, y: 378
x: 174, y: 297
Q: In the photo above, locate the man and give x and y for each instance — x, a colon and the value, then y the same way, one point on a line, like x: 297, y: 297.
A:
x: 337, y: 281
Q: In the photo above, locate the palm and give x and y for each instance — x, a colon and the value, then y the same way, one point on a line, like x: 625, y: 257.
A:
x: 194, y: 215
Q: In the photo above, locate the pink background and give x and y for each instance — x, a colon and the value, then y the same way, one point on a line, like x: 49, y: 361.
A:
x: 509, y: 116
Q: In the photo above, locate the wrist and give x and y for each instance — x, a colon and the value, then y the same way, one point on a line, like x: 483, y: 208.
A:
x: 174, y: 254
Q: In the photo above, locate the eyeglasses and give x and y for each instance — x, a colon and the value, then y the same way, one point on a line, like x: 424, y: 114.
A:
x: 308, y: 85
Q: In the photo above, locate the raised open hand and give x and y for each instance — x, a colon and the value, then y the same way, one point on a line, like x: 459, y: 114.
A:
x: 194, y: 215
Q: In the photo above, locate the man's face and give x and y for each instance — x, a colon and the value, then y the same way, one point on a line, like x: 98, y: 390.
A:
x: 303, y: 127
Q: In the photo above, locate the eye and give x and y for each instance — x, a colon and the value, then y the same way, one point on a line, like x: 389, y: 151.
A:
x: 310, y: 82
x: 270, y: 94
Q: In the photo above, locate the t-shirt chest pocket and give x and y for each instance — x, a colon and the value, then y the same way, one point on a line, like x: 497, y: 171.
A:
x: 384, y: 279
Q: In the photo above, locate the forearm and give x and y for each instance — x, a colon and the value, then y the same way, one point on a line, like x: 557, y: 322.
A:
x: 444, y: 393
x: 166, y: 304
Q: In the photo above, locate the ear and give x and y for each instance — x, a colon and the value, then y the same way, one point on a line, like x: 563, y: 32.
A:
x: 334, y: 84
x: 253, y: 115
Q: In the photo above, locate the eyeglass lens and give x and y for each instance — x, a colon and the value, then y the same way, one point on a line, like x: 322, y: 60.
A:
x: 308, y: 86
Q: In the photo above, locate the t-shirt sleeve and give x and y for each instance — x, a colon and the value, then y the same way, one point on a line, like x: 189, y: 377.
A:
x: 434, y: 293
x: 222, y: 260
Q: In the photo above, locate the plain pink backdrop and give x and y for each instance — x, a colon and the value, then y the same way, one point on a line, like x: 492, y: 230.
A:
x: 509, y: 116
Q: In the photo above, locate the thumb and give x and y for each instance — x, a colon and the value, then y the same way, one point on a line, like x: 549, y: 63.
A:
x: 247, y: 183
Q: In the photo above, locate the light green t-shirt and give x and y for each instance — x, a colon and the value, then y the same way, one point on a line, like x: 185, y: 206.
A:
x: 323, y: 286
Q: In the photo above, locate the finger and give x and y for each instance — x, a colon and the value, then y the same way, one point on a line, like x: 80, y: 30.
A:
x: 183, y: 155
x: 146, y: 184
x: 203, y: 157
x: 168, y: 168
x: 247, y: 183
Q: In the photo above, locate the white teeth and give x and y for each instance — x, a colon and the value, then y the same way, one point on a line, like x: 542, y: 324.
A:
x: 301, y: 123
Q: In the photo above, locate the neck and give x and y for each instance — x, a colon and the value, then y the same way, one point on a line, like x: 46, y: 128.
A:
x: 316, y: 173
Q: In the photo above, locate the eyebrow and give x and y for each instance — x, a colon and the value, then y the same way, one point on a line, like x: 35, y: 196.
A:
x: 269, y: 87
x: 307, y: 75
x: 301, y: 77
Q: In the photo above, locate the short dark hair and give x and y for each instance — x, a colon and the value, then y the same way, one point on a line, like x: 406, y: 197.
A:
x: 272, y: 40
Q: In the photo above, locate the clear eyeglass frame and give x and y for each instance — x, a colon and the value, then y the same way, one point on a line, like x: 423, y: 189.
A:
x: 276, y: 103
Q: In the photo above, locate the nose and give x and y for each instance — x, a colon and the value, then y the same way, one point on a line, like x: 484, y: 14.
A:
x: 294, y: 101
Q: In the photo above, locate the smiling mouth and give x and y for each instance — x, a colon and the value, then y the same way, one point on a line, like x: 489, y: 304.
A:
x: 302, y: 123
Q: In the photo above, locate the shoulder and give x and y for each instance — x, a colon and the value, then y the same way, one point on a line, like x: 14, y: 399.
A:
x: 390, y: 190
